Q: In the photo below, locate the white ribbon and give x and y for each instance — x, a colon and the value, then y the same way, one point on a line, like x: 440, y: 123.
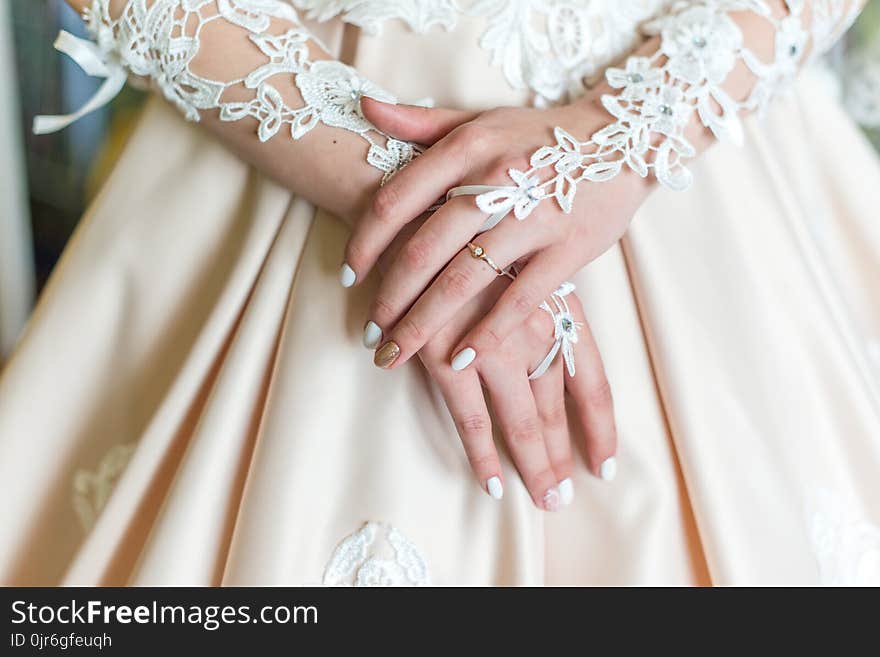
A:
x: 92, y: 61
x: 564, y: 339
x: 545, y: 364
x: 476, y: 190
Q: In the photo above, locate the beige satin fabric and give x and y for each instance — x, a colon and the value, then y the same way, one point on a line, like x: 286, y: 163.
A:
x: 196, y: 318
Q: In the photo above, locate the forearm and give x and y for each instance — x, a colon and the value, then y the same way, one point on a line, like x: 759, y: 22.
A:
x: 245, y: 83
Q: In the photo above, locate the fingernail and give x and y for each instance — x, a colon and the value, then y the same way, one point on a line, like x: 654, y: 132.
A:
x: 386, y: 355
x: 608, y: 469
x: 566, y: 491
x: 463, y: 358
x: 372, y: 335
x: 496, y: 490
x: 346, y: 275
x: 551, y: 500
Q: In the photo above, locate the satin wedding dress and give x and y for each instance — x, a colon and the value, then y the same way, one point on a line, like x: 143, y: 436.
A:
x: 191, y: 403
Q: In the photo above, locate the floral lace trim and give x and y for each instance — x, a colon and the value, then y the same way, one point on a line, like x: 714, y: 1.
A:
x: 159, y: 39
x: 845, y: 544
x: 92, y: 488
x: 376, y: 555
x: 548, y: 46
x: 700, y: 45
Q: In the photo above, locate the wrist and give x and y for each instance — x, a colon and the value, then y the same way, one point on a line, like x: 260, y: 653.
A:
x: 584, y: 117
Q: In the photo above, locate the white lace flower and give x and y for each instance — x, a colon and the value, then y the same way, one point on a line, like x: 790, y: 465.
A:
x: 522, y: 199
x: 791, y: 44
x: 565, y: 156
x: 701, y: 44
x: 158, y: 40
x: 392, y: 158
x: 376, y: 555
x: 336, y: 90
x: 287, y: 53
x: 845, y: 542
x: 92, y: 488
x: 254, y: 15
x: 636, y: 79
x: 666, y: 110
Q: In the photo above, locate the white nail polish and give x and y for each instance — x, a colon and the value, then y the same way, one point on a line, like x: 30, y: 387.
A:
x: 551, y: 500
x: 566, y: 491
x: 346, y: 275
x: 463, y: 358
x: 372, y: 335
x: 496, y: 490
x: 608, y: 470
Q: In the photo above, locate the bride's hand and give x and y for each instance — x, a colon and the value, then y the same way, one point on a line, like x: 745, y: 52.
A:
x: 421, y: 293
x: 531, y: 415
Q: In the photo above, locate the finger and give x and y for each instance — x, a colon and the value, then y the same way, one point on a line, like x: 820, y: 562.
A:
x: 457, y: 284
x: 406, y: 196
x: 535, y: 283
x: 549, y: 393
x: 467, y: 405
x: 591, y: 393
x: 423, y: 125
x: 433, y: 245
x: 517, y: 416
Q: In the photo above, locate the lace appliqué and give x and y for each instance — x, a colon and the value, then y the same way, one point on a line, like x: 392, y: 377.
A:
x: 159, y: 41
x: 376, y: 555
x: 370, y: 15
x: 553, y: 47
x: 92, y: 488
x: 846, y: 545
x: 658, y: 95
x: 548, y: 46
x: 861, y: 85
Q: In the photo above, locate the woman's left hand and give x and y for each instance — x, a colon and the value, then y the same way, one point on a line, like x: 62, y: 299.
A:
x: 435, y: 274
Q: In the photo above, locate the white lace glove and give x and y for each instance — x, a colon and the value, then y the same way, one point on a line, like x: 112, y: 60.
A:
x: 158, y: 40
x: 700, y: 46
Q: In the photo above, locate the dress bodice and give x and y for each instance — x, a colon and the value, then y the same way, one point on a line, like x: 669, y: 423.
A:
x: 550, y: 47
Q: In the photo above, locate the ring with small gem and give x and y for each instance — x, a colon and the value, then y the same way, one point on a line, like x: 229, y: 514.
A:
x: 479, y: 253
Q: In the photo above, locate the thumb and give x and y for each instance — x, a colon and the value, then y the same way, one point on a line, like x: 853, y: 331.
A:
x: 423, y: 125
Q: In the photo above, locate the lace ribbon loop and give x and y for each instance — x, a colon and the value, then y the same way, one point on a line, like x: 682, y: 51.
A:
x: 90, y: 59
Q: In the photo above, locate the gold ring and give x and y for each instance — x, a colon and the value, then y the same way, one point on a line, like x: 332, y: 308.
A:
x: 479, y: 253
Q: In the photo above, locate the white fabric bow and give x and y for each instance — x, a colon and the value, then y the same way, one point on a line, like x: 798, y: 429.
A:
x: 92, y: 61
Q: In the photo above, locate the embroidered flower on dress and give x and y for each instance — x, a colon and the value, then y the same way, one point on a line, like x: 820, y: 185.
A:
x: 376, y: 555
x: 92, y: 488
x: 522, y: 199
